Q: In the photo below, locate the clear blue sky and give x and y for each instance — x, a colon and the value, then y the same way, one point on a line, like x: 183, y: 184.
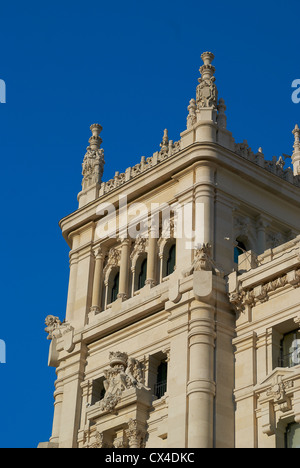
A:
x: 132, y: 67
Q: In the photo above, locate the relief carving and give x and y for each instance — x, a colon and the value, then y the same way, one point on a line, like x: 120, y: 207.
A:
x: 124, y: 373
x: 207, y: 93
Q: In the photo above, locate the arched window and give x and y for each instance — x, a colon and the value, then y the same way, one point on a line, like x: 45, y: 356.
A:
x: 171, y: 260
x: 292, y: 436
x: 115, y: 288
x: 239, y: 249
x: 142, y: 275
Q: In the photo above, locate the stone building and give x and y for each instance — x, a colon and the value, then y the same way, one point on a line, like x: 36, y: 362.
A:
x: 183, y: 310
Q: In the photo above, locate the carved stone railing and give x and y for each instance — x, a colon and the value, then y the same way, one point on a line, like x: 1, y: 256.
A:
x: 168, y: 150
x: 275, y: 166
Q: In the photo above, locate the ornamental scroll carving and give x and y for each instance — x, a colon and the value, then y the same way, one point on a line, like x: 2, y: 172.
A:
x: 124, y: 373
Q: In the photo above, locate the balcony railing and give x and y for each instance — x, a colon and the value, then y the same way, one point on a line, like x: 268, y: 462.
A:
x: 160, y: 389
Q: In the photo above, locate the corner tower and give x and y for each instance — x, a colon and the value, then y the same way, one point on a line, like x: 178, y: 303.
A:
x: 150, y: 255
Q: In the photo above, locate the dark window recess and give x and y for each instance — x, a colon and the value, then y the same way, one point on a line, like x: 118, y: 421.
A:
x: 143, y: 275
x: 115, y: 288
x: 98, y: 390
x: 239, y: 250
x: 171, y: 260
x: 160, y: 387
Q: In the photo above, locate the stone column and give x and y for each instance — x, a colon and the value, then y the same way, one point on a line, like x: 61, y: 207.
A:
x: 261, y: 235
x: 98, y: 280
x: 204, y: 203
x: 124, y: 269
x: 151, y: 260
x: 58, y: 400
x: 201, y: 385
x: 72, y: 287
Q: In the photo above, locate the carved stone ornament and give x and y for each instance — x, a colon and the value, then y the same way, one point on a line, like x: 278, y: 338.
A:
x: 165, y: 141
x: 276, y: 396
x: 52, y: 324
x: 140, y: 246
x: 93, y: 162
x: 57, y: 329
x: 203, y: 261
x: 98, y: 442
x: 242, y: 298
x: 191, y: 118
x: 135, y: 436
x: 207, y: 93
x: 124, y: 373
x: 113, y: 260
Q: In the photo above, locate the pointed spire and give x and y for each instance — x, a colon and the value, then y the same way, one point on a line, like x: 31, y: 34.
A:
x: 207, y: 93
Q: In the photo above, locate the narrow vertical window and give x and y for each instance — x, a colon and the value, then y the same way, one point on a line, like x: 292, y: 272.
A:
x: 171, y: 260
x: 142, y: 274
x: 161, y: 382
x: 239, y: 249
x: 115, y: 288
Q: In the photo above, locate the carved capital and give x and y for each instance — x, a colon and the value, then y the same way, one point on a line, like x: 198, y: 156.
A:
x: 135, y: 435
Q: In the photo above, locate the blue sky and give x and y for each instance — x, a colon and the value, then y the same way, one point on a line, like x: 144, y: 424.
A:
x: 132, y: 67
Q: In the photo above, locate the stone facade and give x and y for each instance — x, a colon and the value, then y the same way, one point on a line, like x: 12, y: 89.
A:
x: 172, y: 340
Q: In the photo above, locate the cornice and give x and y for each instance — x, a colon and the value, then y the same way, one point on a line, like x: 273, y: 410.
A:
x: 196, y: 153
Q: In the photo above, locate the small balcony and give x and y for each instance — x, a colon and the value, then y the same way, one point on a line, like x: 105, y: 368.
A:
x: 160, y: 389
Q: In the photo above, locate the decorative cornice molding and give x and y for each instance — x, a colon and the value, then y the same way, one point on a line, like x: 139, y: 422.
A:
x: 241, y: 298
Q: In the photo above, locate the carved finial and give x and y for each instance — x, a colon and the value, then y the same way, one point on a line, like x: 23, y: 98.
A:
x: 165, y: 141
x: 191, y: 118
x: 296, y: 133
x: 207, y: 94
x: 95, y: 140
x: 221, y: 118
x: 93, y: 163
x: 296, y: 153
